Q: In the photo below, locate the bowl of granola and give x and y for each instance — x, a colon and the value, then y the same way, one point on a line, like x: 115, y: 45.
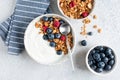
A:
x: 44, y: 42
x: 75, y: 9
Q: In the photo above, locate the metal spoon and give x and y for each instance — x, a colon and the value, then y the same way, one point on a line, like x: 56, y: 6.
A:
x: 65, y: 30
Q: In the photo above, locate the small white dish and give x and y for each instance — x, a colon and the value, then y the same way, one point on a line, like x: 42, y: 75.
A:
x: 104, y: 73
x: 39, y: 49
x: 58, y: 2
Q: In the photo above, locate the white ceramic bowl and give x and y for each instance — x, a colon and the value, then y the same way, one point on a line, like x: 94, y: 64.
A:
x: 69, y: 17
x: 104, y: 72
x: 39, y: 49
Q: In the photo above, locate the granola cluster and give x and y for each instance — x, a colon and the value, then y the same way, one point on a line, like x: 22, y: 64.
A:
x: 76, y: 9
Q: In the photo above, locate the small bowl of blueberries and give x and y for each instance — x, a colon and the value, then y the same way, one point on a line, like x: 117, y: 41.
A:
x: 101, y: 60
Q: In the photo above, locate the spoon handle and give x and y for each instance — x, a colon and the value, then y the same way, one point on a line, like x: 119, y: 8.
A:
x: 70, y: 55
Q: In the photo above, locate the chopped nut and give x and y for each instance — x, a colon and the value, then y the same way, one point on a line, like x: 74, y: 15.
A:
x: 99, y: 30
x: 95, y: 26
x: 94, y: 17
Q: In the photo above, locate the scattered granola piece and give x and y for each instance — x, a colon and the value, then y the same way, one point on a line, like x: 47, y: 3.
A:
x: 95, y: 26
x: 99, y: 30
x: 94, y: 17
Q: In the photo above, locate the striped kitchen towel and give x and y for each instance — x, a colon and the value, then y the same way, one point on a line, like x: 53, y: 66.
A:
x: 12, y: 31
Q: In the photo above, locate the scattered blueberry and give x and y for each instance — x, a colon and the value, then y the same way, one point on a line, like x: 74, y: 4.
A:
x: 99, y: 70
x: 105, y: 59
x: 59, y: 52
x: 101, y: 64
x: 57, y: 35
x: 102, y: 55
x: 49, y: 30
x: 111, y: 62
x: 96, y: 56
x: 51, y: 19
x: 50, y: 36
x: 83, y: 42
x: 45, y: 18
x: 90, y: 33
x: 107, y: 68
x: 45, y: 37
x: 52, y: 44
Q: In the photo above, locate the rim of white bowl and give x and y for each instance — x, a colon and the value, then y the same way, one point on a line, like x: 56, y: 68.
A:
x: 103, y: 73
x: 73, y: 18
x: 73, y: 32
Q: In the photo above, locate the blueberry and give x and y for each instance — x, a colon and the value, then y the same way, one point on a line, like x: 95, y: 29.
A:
x: 111, y: 56
x: 99, y: 70
x: 98, y: 60
x: 90, y: 33
x: 111, y: 62
x: 51, y: 18
x: 93, y: 51
x: 105, y: 59
x: 90, y: 57
x: 101, y: 64
x: 45, y: 37
x: 101, y: 48
x: 45, y: 18
x: 50, y: 36
x: 90, y: 62
x: 107, y: 68
x: 49, y: 30
x: 102, y: 55
x: 93, y: 67
x: 97, y: 51
x: 83, y: 42
x: 52, y: 44
x: 96, y: 56
x: 57, y: 35
x: 59, y: 52
x: 61, y: 21
x: 108, y: 52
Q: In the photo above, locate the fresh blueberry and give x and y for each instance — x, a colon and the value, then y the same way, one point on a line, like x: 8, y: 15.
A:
x: 45, y: 18
x: 102, y: 55
x: 90, y: 33
x: 111, y: 62
x: 96, y: 56
x: 99, y: 70
x: 51, y: 18
x: 111, y: 56
x: 61, y: 21
x: 105, y: 59
x: 93, y: 51
x: 94, y: 62
x: 50, y: 36
x: 101, y: 64
x: 52, y: 44
x: 57, y: 35
x: 45, y: 37
x: 90, y: 57
x: 98, y: 60
x: 97, y: 51
x: 59, y: 52
x: 107, y: 68
x: 83, y: 42
x: 90, y: 62
x: 49, y: 30
x: 108, y: 51
x: 93, y: 67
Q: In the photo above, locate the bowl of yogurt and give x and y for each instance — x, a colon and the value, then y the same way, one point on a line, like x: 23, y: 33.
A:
x: 43, y: 41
